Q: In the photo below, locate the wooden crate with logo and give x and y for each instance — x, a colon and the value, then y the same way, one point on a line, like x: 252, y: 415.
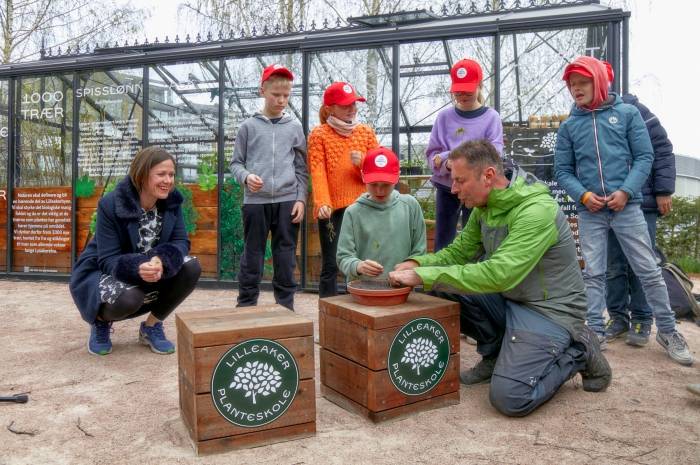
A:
x: 388, y: 362
x: 246, y: 377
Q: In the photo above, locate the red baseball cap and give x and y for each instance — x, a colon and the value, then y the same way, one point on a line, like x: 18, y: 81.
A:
x: 466, y: 75
x: 341, y: 93
x: 278, y: 70
x: 575, y: 68
x: 380, y: 165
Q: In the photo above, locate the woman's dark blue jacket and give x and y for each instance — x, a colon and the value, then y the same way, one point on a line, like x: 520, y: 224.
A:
x: 662, y: 179
x: 113, y: 249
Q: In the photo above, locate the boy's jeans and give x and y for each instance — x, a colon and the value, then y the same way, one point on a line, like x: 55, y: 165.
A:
x: 631, y: 232
x: 625, y: 297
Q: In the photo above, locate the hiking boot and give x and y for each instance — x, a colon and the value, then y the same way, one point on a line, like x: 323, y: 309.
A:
x: 638, y: 335
x: 615, y: 328
x: 480, y: 373
x: 676, y: 347
x: 99, y: 342
x: 597, y: 374
x: 155, y: 337
x: 694, y: 388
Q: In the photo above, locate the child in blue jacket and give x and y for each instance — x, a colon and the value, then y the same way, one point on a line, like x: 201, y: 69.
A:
x: 603, y: 157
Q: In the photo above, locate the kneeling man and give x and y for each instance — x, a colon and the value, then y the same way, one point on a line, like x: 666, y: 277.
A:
x: 514, y: 271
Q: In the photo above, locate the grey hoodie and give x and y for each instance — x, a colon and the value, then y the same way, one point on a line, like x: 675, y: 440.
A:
x: 276, y: 153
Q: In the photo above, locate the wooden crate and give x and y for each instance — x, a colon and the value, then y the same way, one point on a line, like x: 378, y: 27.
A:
x: 357, y: 342
x: 228, y: 338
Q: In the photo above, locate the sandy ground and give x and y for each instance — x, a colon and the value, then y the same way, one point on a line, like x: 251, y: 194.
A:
x: 123, y: 408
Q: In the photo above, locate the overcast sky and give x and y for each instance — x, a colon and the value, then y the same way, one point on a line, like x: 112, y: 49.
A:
x: 664, y: 63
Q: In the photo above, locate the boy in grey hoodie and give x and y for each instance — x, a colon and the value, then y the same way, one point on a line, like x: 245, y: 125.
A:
x: 382, y: 228
x: 269, y: 160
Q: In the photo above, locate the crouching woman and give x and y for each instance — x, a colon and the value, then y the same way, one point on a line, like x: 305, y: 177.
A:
x: 137, y: 263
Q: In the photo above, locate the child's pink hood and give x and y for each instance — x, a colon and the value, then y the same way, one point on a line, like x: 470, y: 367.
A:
x: 589, y: 66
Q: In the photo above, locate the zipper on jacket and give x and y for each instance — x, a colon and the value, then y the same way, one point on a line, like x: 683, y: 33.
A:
x: 597, y: 151
x: 273, y: 161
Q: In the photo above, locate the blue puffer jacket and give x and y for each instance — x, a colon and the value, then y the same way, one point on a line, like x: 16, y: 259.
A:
x: 662, y: 180
x: 603, y: 150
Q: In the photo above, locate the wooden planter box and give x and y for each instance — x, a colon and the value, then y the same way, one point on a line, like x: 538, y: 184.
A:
x: 238, y: 385
x: 371, y: 357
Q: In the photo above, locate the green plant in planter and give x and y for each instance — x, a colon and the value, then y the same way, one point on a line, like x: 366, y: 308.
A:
x: 413, y: 166
x: 84, y: 186
x: 111, y: 185
x: 207, y: 173
x: 189, y: 211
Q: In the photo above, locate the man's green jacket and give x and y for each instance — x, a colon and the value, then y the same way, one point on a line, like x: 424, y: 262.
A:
x: 520, y: 245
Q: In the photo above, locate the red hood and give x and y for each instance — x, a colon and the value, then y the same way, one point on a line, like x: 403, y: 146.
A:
x: 598, y: 72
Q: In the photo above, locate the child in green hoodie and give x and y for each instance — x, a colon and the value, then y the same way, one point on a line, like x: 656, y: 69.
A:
x: 382, y: 227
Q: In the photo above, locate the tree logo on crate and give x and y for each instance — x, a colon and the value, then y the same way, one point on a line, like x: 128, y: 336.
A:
x: 254, y: 382
x: 418, y: 356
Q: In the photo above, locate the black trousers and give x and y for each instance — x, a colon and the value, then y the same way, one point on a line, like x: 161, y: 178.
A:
x: 171, y: 293
x: 329, y: 232
x: 535, y: 356
x: 259, y: 220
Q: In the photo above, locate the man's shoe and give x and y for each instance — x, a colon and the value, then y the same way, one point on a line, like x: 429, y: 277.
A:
x: 676, y: 347
x: 597, y: 374
x: 155, y: 337
x: 638, y: 335
x: 615, y: 328
x: 694, y: 388
x: 480, y: 373
x: 99, y: 342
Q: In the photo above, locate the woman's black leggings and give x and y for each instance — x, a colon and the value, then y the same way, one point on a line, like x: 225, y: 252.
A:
x: 171, y: 293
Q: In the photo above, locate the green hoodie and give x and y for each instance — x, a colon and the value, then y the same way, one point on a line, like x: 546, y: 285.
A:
x: 527, y: 254
x: 385, y: 232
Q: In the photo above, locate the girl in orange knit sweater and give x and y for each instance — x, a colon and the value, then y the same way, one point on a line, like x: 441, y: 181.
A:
x: 335, y: 151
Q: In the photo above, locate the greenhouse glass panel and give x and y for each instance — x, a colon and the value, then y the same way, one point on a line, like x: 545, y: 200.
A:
x: 41, y: 202
x: 241, y: 100
x: 183, y: 118
x: 4, y: 133
x: 109, y: 135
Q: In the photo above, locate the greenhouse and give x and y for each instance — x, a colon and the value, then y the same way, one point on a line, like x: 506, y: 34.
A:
x: 72, y: 121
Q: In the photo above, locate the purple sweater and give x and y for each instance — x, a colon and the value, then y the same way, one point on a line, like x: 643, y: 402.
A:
x: 451, y: 129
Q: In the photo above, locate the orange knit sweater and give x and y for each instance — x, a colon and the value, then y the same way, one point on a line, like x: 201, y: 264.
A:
x: 335, y: 181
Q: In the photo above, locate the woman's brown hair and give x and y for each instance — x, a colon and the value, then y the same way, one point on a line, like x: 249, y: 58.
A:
x: 144, y: 160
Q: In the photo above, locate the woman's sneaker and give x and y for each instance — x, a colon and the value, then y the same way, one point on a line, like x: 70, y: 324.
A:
x: 99, y: 342
x: 638, y: 335
x: 154, y: 337
x: 677, y: 348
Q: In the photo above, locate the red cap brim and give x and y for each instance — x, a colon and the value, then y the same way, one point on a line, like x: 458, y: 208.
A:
x: 380, y: 177
x: 284, y: 72
x: 350, y: 98
x: 464, y: 87
x: 576, y: 70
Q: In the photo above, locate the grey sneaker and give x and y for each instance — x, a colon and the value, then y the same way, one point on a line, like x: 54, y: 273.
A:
x: 615, y: 328
x: 676, y: 347
x: 694, y: 388
x: 638, y: 335
x: 480, y: 373
x: 597, y: 374
x: 602, y: 342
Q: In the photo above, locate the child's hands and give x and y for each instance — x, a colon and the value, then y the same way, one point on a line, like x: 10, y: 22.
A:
x: 356, y: 157
x: 594, y: 202
x: 617, y: 200
x: 298, y: 211
x: 664, y: 203
x: 437, y: 161
x: 152, y: 271
x: 254, y: 182
x: 369, y: 268
x: 324, y: 212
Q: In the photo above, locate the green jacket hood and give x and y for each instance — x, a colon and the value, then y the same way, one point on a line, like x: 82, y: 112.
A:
x: 523, y: 186
x: 365, y: 199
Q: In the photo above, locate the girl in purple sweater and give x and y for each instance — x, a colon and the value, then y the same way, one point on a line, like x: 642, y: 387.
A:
x: 469, y: 119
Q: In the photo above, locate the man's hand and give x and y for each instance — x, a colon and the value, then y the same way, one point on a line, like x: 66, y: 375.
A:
x: 254, y: 182
x: 298, y: 211
x: 406, y: 265
x: 595, y: 202
x: 324, y: 212
x: 356, y: 158
x: 664, y: 204
x: 404, y: 278
x: 617, y: 200
x: 152, y: 271
x: 369, y: 268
